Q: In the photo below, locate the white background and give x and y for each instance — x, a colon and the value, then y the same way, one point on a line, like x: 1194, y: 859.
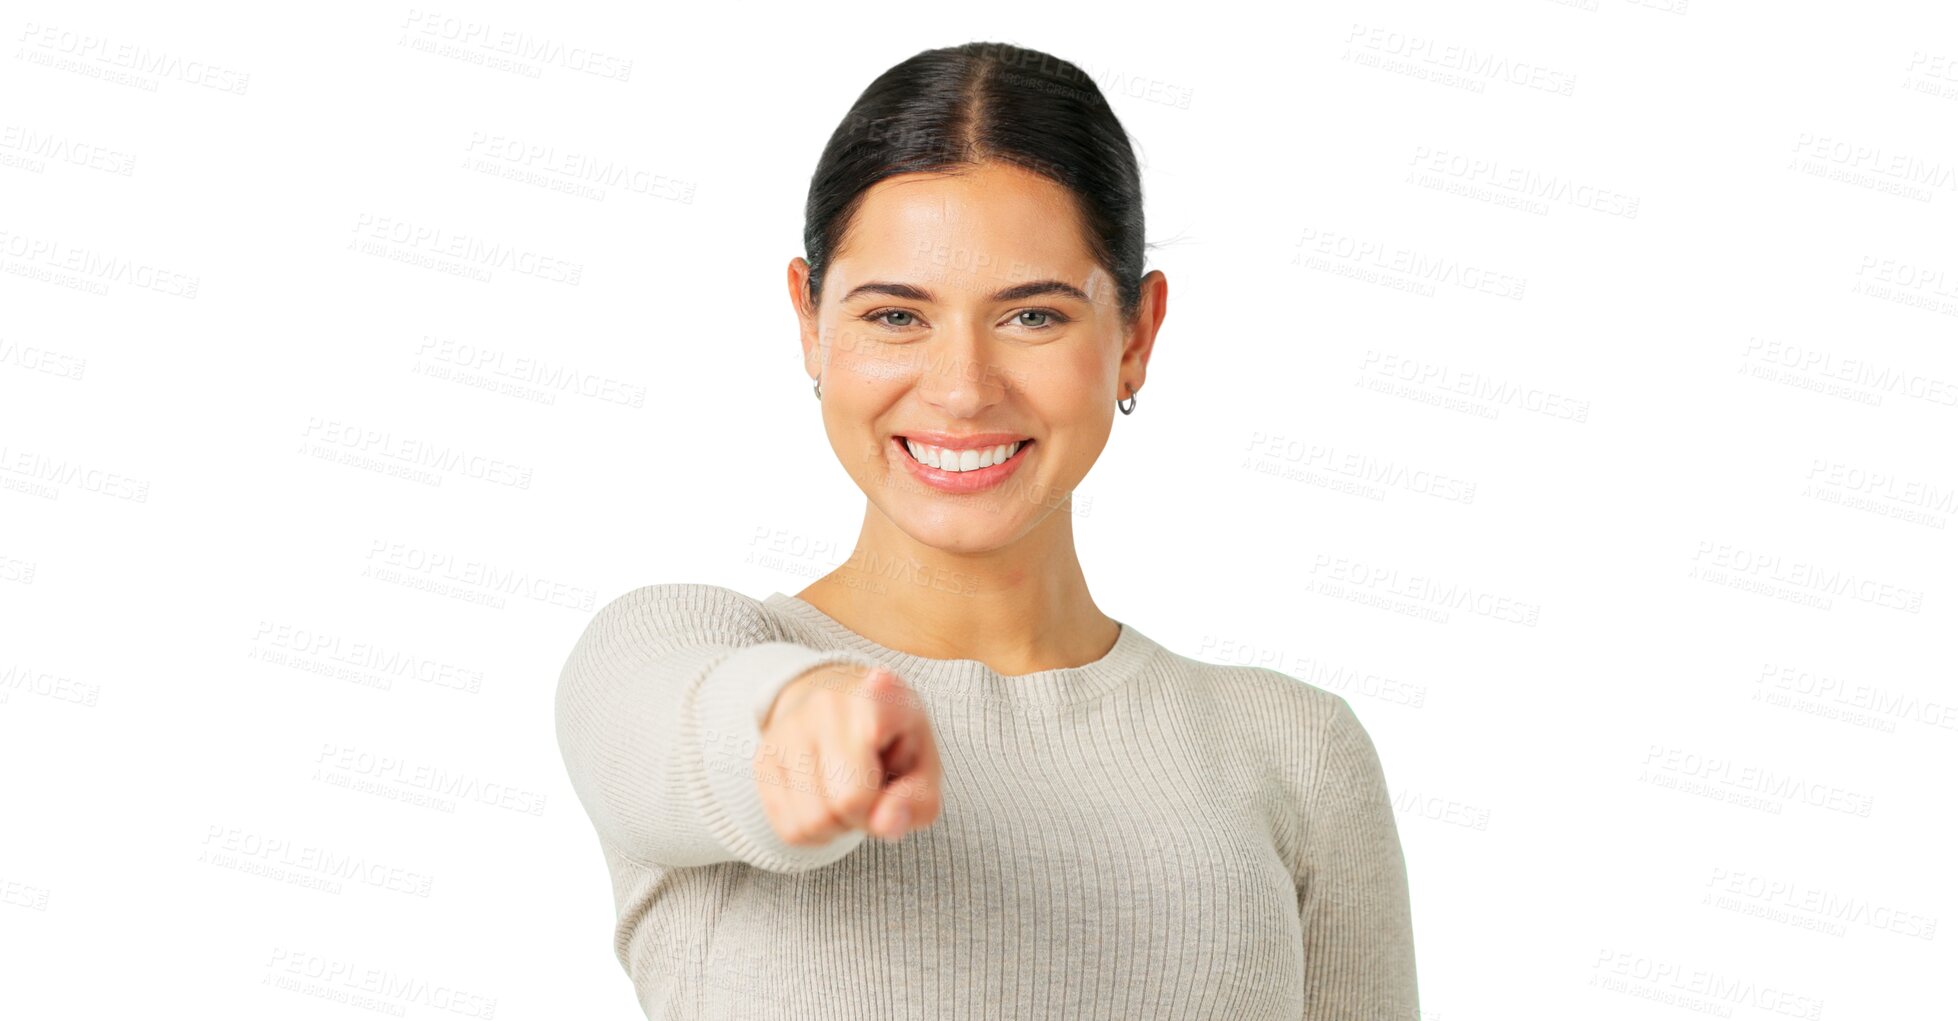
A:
x: 1633, y: 321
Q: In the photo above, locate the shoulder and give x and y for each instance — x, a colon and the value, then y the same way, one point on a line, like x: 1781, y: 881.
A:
x: 676, y: 596
x: 1326, y: 735
x: 1314, y: 755
x: 1289, y: 712
x: 1330, y: 760
x: 680, y: 613
x: 1308, y: 735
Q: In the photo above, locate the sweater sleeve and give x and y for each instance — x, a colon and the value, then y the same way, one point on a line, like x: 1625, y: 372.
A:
x: 1352, y: 884
x: 658, y: 714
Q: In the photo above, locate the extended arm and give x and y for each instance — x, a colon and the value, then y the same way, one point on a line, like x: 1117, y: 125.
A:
x: 657, y: 718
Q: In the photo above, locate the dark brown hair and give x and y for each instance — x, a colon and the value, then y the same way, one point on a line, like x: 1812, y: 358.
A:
x: 959, y: 106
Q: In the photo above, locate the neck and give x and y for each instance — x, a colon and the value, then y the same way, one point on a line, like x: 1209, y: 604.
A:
x: 1018, y: 609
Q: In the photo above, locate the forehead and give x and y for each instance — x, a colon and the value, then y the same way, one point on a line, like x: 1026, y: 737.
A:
x: 971, y: 231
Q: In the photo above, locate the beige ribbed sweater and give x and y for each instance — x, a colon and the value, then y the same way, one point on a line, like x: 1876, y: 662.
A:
x: 1145, y: 836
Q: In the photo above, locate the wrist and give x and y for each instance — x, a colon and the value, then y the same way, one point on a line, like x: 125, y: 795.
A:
x: 789, y: 692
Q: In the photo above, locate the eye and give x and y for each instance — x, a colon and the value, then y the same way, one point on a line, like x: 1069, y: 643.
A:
x: 1049, y: 318
x: 879, y: 317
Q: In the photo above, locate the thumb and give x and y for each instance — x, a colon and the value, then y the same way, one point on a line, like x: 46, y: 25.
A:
x: 891, y: 816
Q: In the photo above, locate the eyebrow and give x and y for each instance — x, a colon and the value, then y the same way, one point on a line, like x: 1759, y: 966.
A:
x: 1030, y: 289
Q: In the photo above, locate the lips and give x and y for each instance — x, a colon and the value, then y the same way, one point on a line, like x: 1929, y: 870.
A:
x: 972, y: 481
x: 962, y: 441
x: 962, y: 457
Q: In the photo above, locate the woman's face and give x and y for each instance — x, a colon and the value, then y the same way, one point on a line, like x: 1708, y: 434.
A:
x: 964, y: 313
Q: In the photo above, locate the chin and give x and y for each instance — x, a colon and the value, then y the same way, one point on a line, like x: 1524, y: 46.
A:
x: 973, y: 529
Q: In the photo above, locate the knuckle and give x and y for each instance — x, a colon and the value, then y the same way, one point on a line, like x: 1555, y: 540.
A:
x: 853, y: 800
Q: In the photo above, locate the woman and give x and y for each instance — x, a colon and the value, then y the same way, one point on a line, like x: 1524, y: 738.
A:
x: 1071, y: 821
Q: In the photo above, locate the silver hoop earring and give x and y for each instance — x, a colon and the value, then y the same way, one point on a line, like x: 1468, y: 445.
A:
x: 1130, y: 410
x: 819, y: 389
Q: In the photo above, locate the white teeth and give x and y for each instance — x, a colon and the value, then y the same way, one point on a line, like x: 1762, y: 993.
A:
x: 961, y: 460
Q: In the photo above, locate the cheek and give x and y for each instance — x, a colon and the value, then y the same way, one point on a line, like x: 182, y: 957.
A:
x: 860, y: 355
x: 855, y: 447
x: 1069, y: 389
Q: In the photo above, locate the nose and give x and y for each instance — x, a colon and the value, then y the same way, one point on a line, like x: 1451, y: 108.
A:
x: 961, y: 377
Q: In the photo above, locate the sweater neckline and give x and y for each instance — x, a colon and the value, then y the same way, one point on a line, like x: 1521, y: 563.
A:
x: 973, y: 679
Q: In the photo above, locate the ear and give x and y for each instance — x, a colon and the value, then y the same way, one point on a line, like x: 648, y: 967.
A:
x: 1139, y: 340
x: 805, y: 316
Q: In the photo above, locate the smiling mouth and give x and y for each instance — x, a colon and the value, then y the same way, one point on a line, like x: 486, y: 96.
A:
x: 959, y: 461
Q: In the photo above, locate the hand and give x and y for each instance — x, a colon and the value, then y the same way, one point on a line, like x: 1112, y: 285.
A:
x: 846, y: 748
